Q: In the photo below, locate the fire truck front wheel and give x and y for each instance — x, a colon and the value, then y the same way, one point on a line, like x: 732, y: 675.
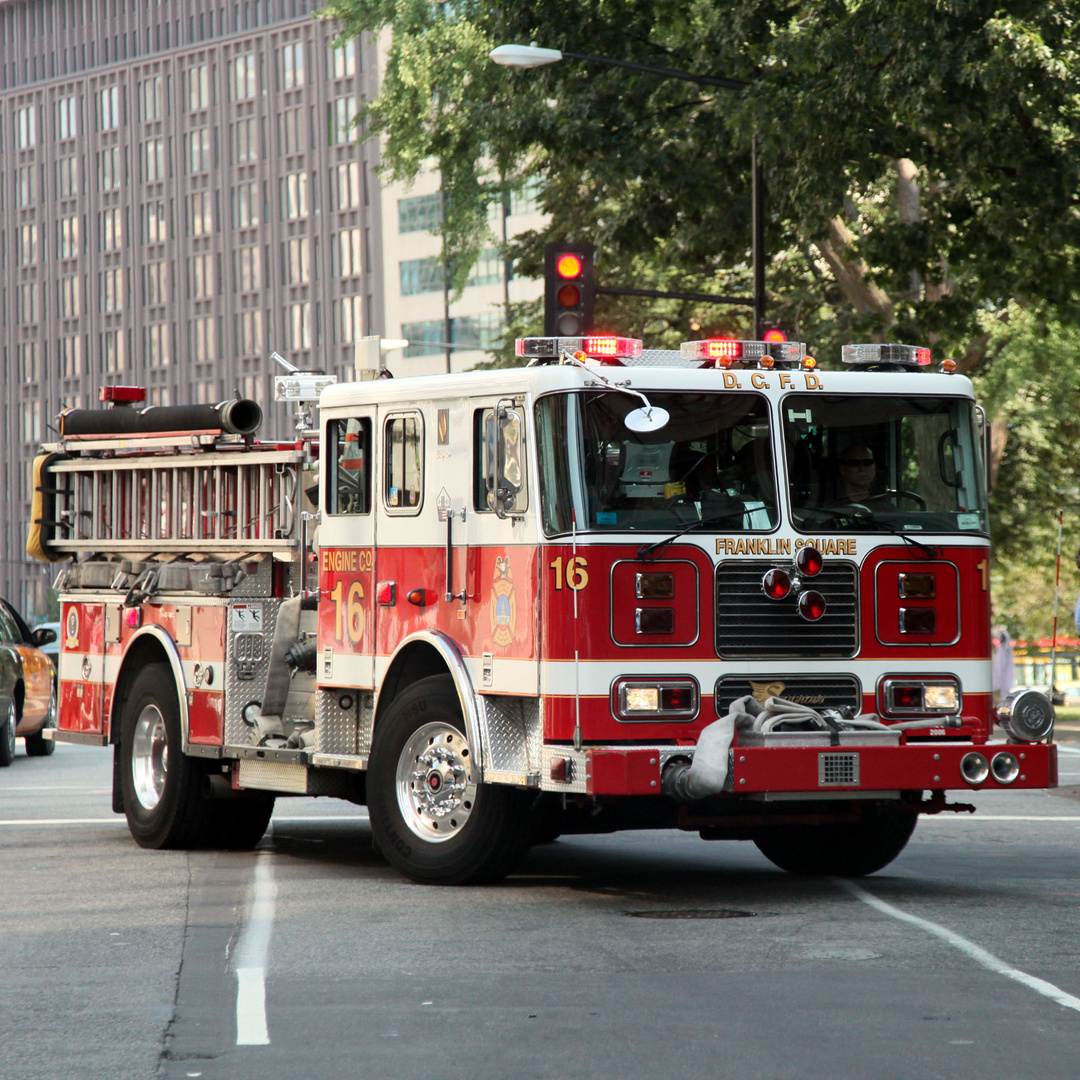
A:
x: 429, y: 817
x: 842, y: 850
x: 164, y: 792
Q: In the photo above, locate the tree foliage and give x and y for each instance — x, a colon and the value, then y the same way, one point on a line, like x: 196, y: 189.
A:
x: 922, y: 163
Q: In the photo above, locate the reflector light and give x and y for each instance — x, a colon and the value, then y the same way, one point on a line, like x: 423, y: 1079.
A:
x: 655, y: 620
x: 775, y: 584
x: 676, y: 698
x: 811, y: 606
x: 904, y: 355
x: 133, y: 618
x: 568, y: 266
x: 907, y: 697
x: 922, y: 586
x: 654, y: 586
x: 809, y: 561
x: 422, y: 597
x: 386, y: 593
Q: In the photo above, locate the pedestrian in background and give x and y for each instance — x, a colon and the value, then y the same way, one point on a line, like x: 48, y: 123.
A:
x: 1002, y: 664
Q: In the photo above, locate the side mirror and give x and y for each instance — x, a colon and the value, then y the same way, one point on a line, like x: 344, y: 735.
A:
x: 509, y: 479
x: 46, y: 635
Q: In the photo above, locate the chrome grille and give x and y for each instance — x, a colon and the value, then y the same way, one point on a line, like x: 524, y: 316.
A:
x: 817, y: 691
x: 749, y: 624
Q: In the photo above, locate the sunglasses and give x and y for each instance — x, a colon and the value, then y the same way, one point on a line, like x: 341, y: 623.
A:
x: 865, y: 461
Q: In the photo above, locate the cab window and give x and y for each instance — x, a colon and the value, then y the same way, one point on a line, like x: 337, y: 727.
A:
x: 350, y: 476
x: 404, y: 458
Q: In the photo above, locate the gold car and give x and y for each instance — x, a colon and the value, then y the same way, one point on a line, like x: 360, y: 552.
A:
x: 27, y: 687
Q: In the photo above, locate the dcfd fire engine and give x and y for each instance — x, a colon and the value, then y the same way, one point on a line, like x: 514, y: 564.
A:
x: 720, y: 590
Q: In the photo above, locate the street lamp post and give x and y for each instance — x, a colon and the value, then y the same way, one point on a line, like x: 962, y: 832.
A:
x: 529, y: 56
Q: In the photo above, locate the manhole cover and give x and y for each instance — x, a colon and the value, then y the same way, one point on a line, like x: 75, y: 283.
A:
x: 692, y: 913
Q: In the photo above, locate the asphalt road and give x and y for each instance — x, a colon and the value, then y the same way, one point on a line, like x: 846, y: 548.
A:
x: 651, y: 955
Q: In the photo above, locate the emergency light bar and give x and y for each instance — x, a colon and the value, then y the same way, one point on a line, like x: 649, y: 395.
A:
x: 604, y: 347
x: 303, y: 386
x: 903, y: 355
x: 724, y: 352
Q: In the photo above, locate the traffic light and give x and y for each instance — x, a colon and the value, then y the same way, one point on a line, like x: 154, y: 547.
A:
x: 568, y: 289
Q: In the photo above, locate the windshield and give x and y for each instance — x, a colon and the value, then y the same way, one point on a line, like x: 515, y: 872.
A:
x: 902, y: 463
x: 712, y: 462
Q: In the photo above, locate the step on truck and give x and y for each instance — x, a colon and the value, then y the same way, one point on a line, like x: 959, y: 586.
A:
x: 721, y: 590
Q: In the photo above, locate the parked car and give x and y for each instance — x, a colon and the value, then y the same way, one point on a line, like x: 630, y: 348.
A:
x: 27, y: 686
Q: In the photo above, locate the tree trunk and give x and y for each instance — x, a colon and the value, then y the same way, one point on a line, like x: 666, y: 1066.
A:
x: 851, y: 272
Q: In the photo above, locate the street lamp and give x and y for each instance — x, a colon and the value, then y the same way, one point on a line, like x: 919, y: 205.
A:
x: 530, y: 56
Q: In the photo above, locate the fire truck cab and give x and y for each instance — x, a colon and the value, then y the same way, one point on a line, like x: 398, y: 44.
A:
x: 719, y: 590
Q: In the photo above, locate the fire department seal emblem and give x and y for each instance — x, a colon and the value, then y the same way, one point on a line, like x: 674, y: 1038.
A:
x: 503, y: 604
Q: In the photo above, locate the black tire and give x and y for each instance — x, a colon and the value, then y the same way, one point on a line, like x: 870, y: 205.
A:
x: 165, y: 794
x: 38, y: 746
x: 238, y: 824
x: 452, y: 831
x: 7, y: 735
x: 841, y: 849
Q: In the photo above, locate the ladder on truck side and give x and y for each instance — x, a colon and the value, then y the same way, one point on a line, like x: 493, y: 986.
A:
x: 218, y: 501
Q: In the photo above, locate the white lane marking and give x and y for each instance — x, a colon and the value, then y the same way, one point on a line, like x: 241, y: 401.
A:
x: 250, y: 958
x: 65, y: 821
x: 318, y: 817
x: 942, y: 818
x: 969, y: 948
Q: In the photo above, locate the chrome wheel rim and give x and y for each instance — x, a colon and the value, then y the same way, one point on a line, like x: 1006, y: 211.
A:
x: 9, y: 730
x: 149, y: 757
x: 435, y: 791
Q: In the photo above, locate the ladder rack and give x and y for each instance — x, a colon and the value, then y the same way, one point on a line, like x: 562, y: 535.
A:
x: 215, y: 502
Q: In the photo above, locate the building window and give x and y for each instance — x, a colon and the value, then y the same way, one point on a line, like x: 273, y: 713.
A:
x: 299, y: 316
x: 290, y: 131
x: 198, y: 87
x: 25, y: 186
x: 420, y: 213
x: 153, y: 223
x: 526, y: 198
x: 30, y: 422
x: 245, y: 205
x: 341, y: 113
x: 294, y: 196
x: 109, y: 108
x: 292, y: 65
x: 420, y: 276
x: 347, y: 253
x: 488, y: 269
x: 351, y: 315
x: 297, y: 262
x: 26, y: 241
x: 245, y: 146
x: 111, y: 350
x: 26, y: 127
x: 67, y: 297
x: 423, y: 337
x: 200, y: 276
x: 108, y: 169
x: 246, y: 273
x: 157, y: 345
x: 347, y: 184
x: 477, y: 331
x: 26, y: 304
x: 200, y: 214
x: 197, y: 150
x: 243, y: 78
x: 153, y: 160
x: 150, y: 100
x: 201, y: 343
x: 64, y: 117
x: 248, y: 327
x: 342, y: 60
x: 67, y: 178
x: 70, y: 353
x: 109, y: 230
x: 109, y: 285
x: 154, y: 283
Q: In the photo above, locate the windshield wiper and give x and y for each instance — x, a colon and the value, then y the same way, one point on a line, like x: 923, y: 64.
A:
x: 647, y: 551
x: 926, y: 549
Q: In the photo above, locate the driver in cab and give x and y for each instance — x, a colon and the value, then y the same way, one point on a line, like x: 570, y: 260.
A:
x: 858, y: 474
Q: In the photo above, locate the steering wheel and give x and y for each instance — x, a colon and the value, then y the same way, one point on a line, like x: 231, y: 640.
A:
x: 896, y: 493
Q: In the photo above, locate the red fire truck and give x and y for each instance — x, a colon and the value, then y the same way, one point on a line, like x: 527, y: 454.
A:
x: 720, y: 590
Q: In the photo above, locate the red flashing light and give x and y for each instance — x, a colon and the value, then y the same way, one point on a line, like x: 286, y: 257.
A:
x: 776, y: 584
x: 774, y: 334
x: 569, y: 266
x: 922, y: 357
x: 725, y: 349
x: 122, y: 395
x: 811, y: 606
x: 809, y: 561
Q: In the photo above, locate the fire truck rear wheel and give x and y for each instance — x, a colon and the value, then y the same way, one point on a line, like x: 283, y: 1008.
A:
x: 238, y: 824
x: 429, y: 817
x: 164, y: 792
x: 840, y: 850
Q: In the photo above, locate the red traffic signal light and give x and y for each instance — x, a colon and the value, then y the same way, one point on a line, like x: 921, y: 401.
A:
x: 568, y: 289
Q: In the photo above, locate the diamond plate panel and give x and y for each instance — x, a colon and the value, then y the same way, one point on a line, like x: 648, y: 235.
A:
x: 511, y: 732
x: 242, y: 653
x: 344, y: 729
